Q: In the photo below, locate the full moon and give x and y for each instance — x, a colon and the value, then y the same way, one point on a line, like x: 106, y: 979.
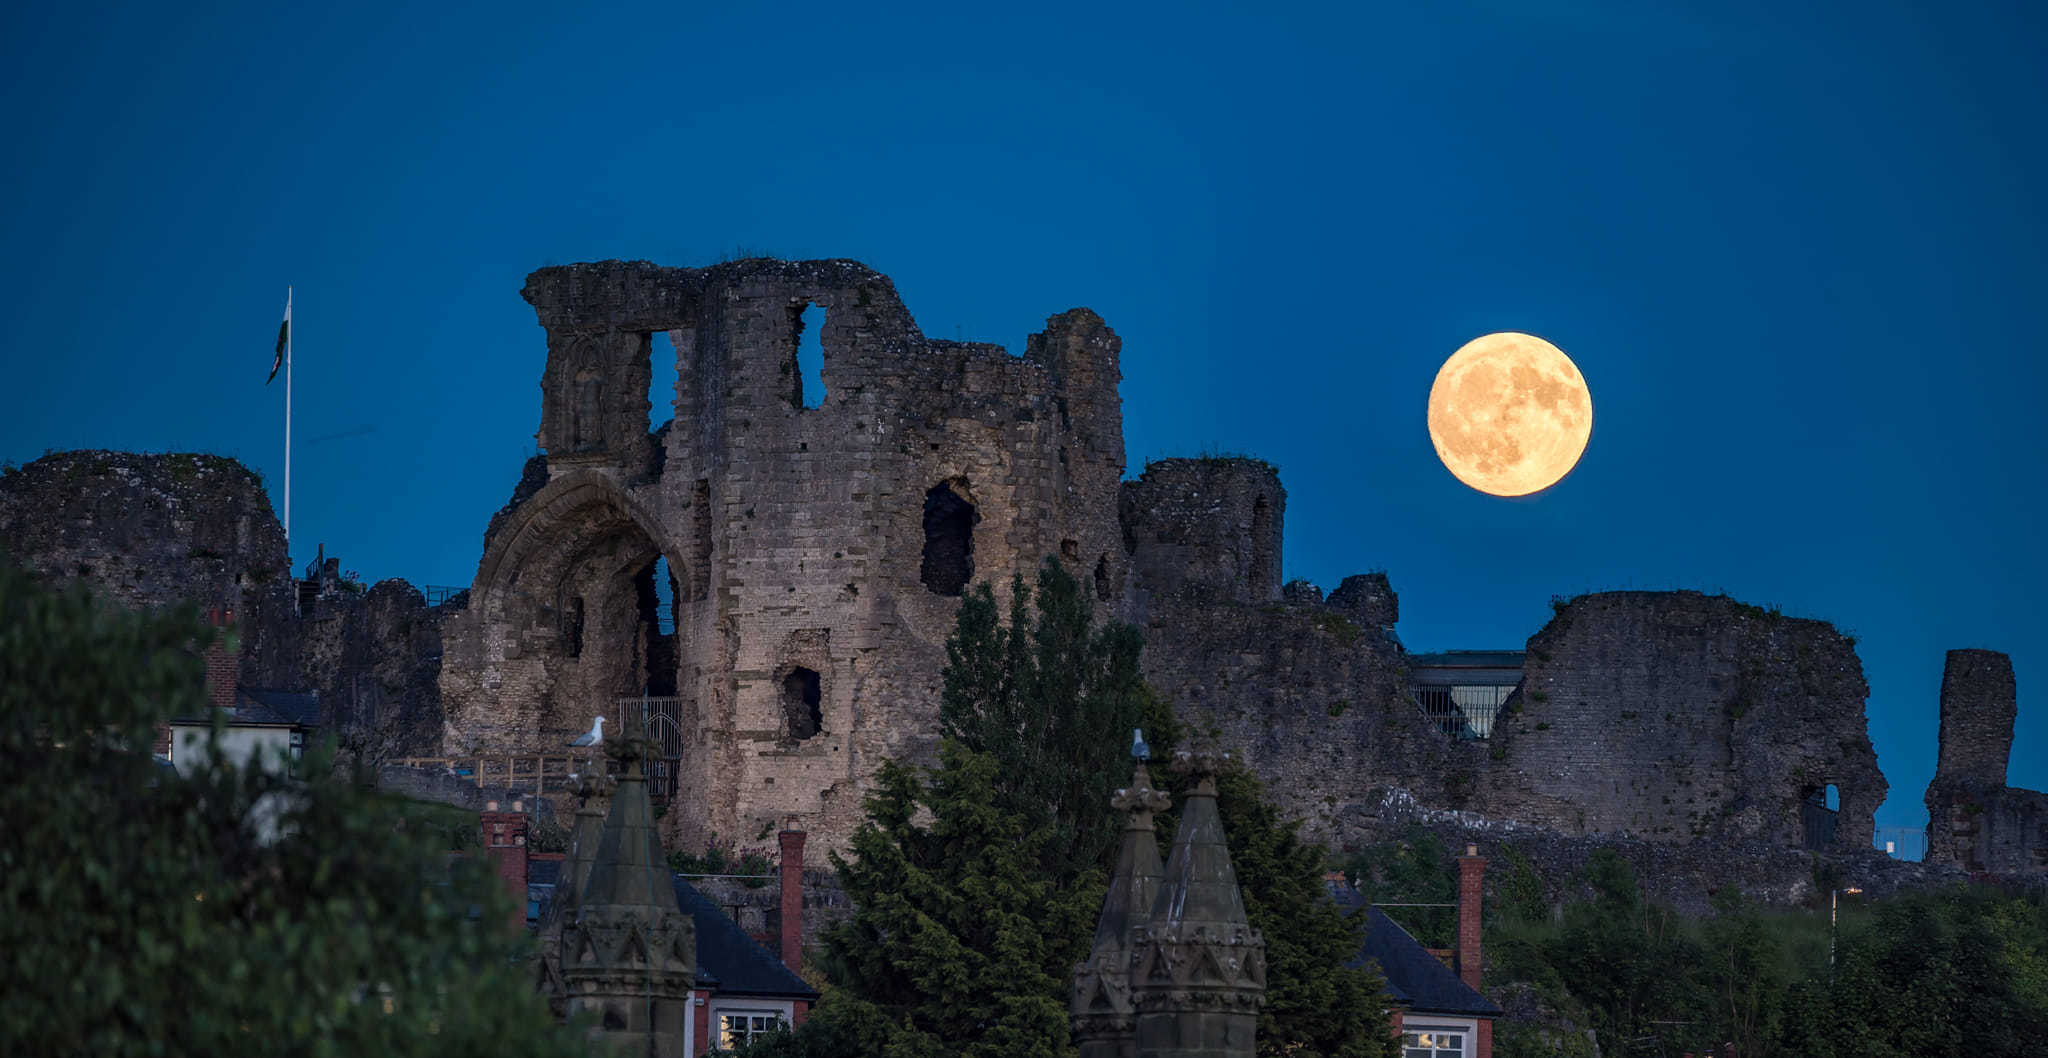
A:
x: 1510, y: 414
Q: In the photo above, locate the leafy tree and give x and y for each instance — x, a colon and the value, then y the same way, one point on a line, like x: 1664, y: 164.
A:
x: 1955, y: 972
x: 228, y: 912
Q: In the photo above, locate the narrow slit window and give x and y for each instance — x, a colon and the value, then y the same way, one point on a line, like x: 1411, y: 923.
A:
x: 807, y: 365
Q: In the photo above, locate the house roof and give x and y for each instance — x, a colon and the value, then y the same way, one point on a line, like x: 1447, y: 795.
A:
x: 261, y: 705
x: 739, y: 964
x: 1415, y: 978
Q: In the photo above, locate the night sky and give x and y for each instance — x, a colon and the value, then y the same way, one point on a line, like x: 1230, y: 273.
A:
x: 1799, y: 251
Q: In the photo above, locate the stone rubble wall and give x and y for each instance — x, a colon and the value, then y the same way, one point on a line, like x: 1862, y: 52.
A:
x: 795, y: 533
x: 151, y: 531
x: 1676, y: 716
x: 1974, y: 820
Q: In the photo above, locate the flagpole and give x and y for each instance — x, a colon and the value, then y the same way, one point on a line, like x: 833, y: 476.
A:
x: 288, y: 431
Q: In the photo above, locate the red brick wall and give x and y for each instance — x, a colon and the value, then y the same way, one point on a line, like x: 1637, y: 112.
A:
x: 504, y: 841
x: 1471, y: 873
x: 792, y: 899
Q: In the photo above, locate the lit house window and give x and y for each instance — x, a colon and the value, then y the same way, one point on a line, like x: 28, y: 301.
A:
x: 1431, y: 1042
x: 737, y: 1028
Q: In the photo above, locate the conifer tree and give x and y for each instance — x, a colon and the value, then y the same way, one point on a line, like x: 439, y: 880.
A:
x: 977, y: 883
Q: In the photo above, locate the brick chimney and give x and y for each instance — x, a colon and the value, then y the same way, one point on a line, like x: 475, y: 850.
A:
x: 792, y: 842
x: 1471, y: 873
x: 504, y: 841
x: 220, y: 660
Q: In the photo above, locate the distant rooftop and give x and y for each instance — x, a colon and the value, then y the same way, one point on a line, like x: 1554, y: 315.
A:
x: 1468, y: 659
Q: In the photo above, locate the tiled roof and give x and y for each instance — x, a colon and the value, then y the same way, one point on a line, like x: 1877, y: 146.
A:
x: 738, y: 962
x: 1414, y: 976
x: 265, y: 706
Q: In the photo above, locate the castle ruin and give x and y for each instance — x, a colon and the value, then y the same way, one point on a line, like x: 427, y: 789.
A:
x: 766, y: 582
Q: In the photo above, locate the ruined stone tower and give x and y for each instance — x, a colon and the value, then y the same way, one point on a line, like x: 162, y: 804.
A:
x: 815, y: 545
x: 1974, y: 820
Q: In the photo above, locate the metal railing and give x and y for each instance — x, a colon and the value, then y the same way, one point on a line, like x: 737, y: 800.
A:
x: 1902, y: 843
x: 1460, y: 712
x: 657, y: 719
x: 542, y: 773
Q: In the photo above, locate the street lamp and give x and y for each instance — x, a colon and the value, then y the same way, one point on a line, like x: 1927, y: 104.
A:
x: 1833, y: 899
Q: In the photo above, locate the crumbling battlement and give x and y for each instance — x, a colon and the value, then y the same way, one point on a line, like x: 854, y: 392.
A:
x: 1974, y: 820
x: 1676, y: 715
x: 150, y: 531
x: 1204, y: 531
x: 814, y: 544
x: 777, y: 561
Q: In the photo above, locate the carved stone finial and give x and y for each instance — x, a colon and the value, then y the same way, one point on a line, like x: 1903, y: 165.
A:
x: 1203, y: 765
x: 1139, y: 801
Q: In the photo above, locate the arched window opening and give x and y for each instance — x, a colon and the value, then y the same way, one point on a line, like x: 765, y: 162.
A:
x: 1070, y: 552
x: 948, y: 541
x: 1264, y: 578
x: 1102, y: 578
x: 806, y: 366
x: 802, y: 697
x: 1818, y: 811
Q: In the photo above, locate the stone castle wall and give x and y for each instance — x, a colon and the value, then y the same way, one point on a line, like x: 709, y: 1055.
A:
x: 795, y: 528
x: 786, y: 566
x: 1974, y: 820
x: 152, y: 531
x: 1677, y: 715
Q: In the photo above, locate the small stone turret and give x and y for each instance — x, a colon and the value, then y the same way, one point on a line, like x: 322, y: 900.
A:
x: 1198, y: 969
x: 630, y: 953
x: 1104, y: 1019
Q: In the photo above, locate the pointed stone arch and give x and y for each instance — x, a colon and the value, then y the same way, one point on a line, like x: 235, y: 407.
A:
x: 563, y: 597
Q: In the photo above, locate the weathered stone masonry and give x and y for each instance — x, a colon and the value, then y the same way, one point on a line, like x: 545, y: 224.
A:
x: 785, y: 565
x: 1974, y: 820
x: 815, y: 551
x: 816, y: 545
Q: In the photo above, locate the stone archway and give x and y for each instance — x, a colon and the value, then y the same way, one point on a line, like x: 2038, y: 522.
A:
x: 564, y: 620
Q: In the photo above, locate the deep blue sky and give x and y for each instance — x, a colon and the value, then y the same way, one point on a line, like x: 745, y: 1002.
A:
x: 1799, y: 251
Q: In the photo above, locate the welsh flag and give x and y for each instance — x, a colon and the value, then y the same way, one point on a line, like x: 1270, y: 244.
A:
x: 284, y: 339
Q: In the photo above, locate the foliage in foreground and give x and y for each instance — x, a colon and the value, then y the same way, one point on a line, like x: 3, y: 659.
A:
x: 141, y: 912
x: 1951, y: 972
x: 977, y: 883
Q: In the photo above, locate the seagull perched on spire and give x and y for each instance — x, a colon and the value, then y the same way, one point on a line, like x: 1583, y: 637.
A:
x: 591, y: 737
x: 1139, y: 749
